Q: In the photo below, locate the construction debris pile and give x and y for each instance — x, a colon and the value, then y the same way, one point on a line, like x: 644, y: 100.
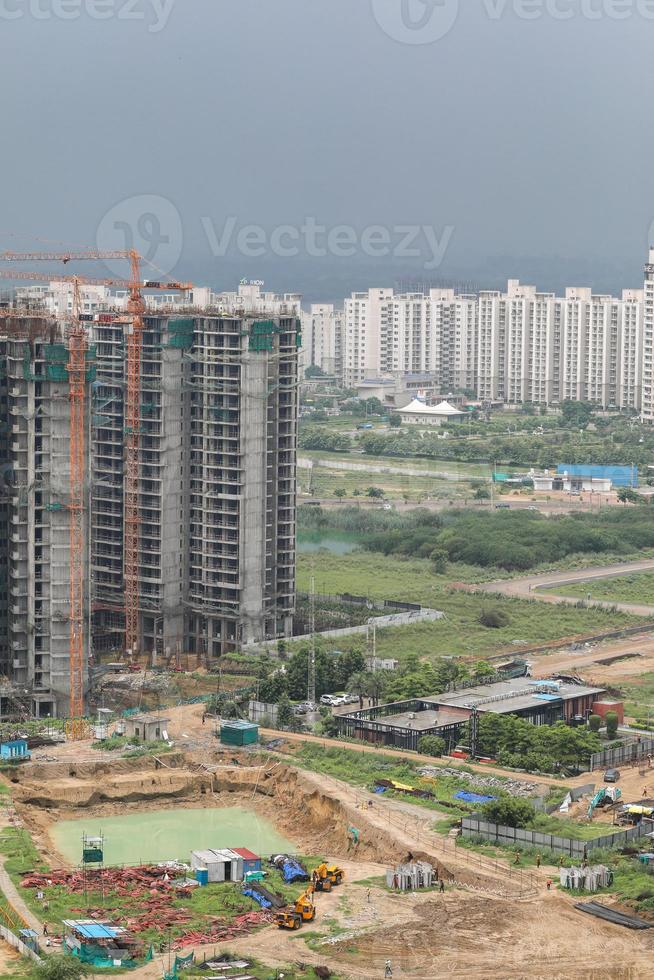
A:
x: 590, y: 879
x: 156, y: 891
x: 514, y: 787
x: 410, y: 877
x: 222, y: 931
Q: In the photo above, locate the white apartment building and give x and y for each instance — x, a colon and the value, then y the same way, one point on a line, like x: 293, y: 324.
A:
x: 368, y: 318
x: 322, y: 336
x: 630, y: 364
x: 648, y: 342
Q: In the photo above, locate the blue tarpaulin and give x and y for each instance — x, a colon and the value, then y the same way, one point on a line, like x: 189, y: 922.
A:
x: 292, y: 871
x: 258, y: 897
x: 472, y: 797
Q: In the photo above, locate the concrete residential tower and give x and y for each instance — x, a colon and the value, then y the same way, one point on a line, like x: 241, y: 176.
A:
x: 217, y: 484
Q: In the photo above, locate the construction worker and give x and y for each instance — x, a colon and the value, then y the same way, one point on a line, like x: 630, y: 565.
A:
x: 441, y: 887
x: 517, y: 857
x: 368, y: 896
x: 45, y: 928
x: 538, y: 860
x: 549, y: 884
x: 388, y: 971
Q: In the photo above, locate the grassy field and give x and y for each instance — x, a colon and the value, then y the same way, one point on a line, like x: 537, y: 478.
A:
x: 637, y: 588
x: 460, y: 633
x: 396, y: 486
x: 465, y: 471
x: 639, y: 697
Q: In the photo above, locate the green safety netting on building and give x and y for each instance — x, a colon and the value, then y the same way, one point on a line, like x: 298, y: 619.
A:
x: 181, y: 333
x: 56, y: 361
x: 261, y: 335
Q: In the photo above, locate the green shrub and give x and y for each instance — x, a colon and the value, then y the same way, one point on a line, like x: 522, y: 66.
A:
x: 612, y: 722
x: 431, y: 745
x: 595, y: 723
x: 493, y: 618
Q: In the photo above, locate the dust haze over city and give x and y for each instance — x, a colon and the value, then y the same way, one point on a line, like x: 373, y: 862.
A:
x: 326, y: 489
x: 522, y: 130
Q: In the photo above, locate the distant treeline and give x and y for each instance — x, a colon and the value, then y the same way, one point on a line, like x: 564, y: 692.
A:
x: 512, y: 540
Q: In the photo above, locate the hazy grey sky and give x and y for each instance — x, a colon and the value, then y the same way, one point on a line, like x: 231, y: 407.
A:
x: 529, y: 139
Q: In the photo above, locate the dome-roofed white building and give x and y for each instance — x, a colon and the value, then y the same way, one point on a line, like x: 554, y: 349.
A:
x: 417, y: 413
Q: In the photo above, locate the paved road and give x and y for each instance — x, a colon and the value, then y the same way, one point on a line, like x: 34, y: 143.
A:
x: 543, y: 587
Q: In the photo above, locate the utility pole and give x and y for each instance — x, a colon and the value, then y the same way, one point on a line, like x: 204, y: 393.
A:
x: 311, y: 685
x: 474, y: 733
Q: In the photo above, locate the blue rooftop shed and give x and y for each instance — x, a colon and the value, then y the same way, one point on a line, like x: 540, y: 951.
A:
x: 15, y: 751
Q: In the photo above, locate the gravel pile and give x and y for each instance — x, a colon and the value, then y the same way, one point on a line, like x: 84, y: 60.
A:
x: 513, y: 786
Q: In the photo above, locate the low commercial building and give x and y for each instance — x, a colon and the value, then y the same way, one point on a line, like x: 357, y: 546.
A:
x: 402, y: 724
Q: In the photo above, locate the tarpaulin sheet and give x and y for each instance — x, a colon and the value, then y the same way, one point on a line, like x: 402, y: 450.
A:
x: 472, y: 797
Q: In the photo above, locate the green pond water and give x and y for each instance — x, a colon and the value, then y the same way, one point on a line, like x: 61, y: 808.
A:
x: 167, y: 835
x: 338, y: 544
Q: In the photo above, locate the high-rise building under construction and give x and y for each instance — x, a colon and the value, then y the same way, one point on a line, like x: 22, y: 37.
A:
x: 216, y: 484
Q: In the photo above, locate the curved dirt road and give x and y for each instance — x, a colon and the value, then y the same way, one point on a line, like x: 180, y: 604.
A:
x: 530, y: 586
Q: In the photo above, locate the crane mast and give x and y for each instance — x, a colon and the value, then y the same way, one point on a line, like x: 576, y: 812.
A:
x: 77, y: 347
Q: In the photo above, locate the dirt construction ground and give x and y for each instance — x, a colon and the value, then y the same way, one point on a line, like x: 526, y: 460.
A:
x: 492, y: 921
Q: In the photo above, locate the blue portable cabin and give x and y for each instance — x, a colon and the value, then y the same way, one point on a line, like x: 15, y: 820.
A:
x: 15, y: 751
x: 251, y: 862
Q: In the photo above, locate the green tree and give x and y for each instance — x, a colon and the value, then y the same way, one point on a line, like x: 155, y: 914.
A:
x: 628, y: 496
x: 509, y: 811
x: 395, y: 421
x: 285, y: 716
x: 273, y: 688
x: 482, y: 669
x: 329, y: 726
x: 61, y: 967
x: 376, y: 683
x: 358, y: 684
x: 313, y: 371
x: 595, y: 723
x: 375, y: 492
x: 612, y: 722
x: 431, y: 745
x: 482, y: 493
x: 576, y: 414
x: 340, y: 493
x: 297, y: 673
x: 345, y: 664
x: 438, y: 558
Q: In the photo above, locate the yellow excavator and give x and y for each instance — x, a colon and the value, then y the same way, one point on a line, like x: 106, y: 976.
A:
x: 326, y: 877
x: 303, y: 911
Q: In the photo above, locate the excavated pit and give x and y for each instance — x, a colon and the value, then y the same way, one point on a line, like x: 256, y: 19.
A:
x: 311, y: 817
